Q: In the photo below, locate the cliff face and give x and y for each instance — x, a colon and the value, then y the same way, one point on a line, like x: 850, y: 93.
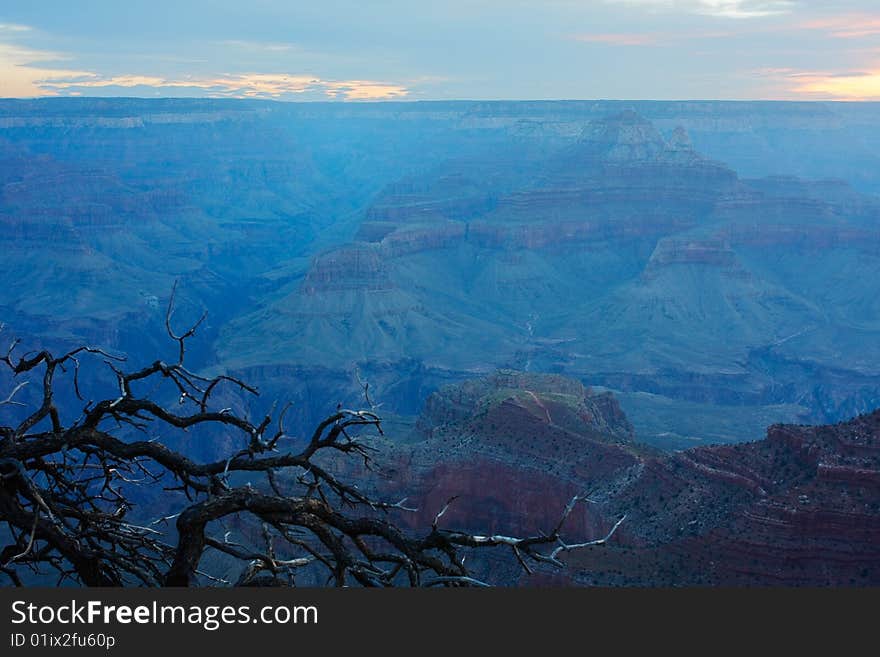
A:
x: 801, y: 507
x: 798, y: 508
x: 513, y: 397
x: 514, y: 448
x: 356, y: 267
x: 629, y: 140
x: 414, y: 201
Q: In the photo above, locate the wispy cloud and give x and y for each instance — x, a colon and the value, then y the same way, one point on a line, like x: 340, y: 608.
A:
x: 24, y: 73
x: 650, y: 38
x: 620, y: 39
x: 13, y: 27
x: 252, y: 85
x: 259, y: 46
x: 364, y: 90
x: 720, y: 8
x: 845, y: 26
x: 27, y: 73
x: 246, y: 85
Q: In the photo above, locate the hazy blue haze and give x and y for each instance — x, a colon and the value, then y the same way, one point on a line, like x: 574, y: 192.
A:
x: 425, y: 243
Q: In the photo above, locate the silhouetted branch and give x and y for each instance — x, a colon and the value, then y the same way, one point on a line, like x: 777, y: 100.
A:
x: 66, y: 491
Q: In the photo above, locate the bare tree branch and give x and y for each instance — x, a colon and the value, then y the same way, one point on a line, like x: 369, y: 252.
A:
x: 69, y: 491
x: 9, y: 399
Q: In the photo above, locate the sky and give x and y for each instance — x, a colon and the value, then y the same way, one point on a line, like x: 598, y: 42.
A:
x: 446, y: 49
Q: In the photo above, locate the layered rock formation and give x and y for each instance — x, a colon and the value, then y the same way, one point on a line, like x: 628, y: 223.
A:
x: 602, y: 240
x: 628, y: 260
x: 799, y: 508
x: 513, y: 447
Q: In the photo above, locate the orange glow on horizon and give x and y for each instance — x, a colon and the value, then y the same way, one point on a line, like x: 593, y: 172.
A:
x: 862, y: 86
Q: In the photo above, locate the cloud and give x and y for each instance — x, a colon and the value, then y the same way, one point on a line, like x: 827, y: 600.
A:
x: 720, y: 8
x: 245, y: 85
x: 259, y: 46
x: 12, y: 27
x: 620, y: 39
x: 364, y: 90
x: 846, y: 26
x: 248, y: 85
x: 651, y: 38
x: 25, y: 73
x: 22, y: 74
x: 827, y: 85
x: 116, y: 81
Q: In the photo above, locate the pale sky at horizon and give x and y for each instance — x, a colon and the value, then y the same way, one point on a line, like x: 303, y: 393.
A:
x: 490, y: 49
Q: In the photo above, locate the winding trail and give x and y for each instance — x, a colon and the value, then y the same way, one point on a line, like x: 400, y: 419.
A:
x: 541, y: 404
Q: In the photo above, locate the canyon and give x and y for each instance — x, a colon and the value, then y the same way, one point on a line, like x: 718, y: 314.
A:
x: 546, y: 298
x: 666, y: 251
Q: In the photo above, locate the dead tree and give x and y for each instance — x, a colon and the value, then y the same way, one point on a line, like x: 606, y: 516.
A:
x: 67, y: 506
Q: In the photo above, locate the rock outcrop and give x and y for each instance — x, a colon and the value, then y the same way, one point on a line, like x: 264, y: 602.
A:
x: 514, y: 447
x: 799, y: 508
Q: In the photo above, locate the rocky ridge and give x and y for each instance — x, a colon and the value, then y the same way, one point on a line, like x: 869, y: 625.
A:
x: 799, y: 508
